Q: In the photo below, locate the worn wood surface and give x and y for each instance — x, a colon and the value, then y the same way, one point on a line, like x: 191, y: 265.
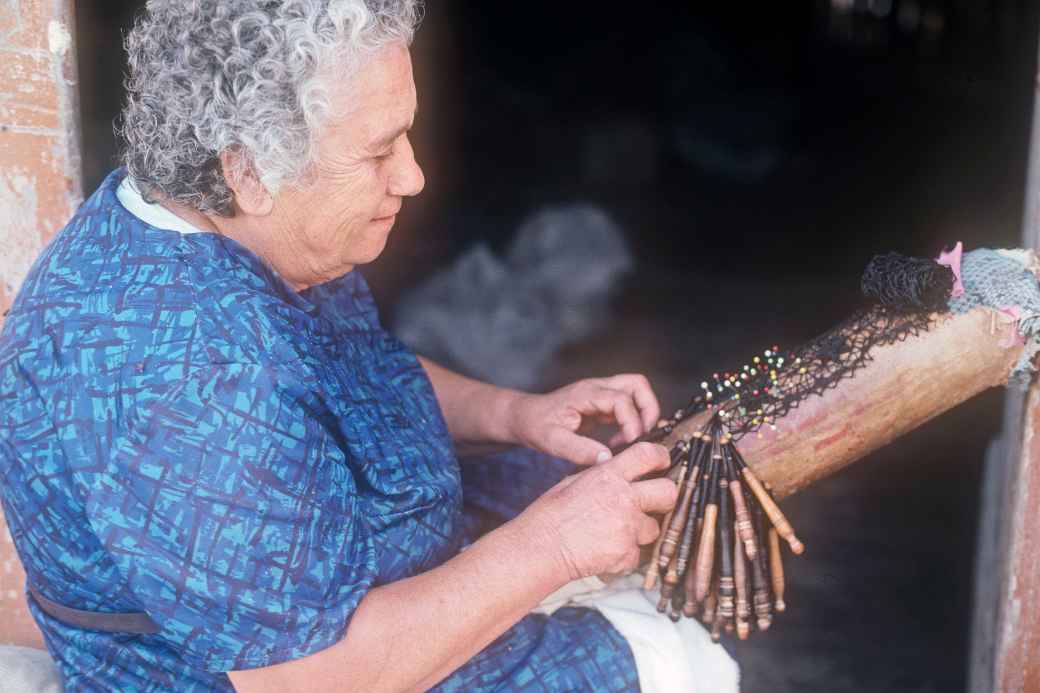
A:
x: 1016, y: 664
x: 1006, y: 618
x: 906, y: 384
x: 1006, y: 622
x: 39, y: 189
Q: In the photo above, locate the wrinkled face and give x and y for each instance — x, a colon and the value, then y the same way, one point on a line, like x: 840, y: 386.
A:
x: 365, y: 167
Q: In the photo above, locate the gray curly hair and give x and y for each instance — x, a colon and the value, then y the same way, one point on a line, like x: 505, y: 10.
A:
x: 207, y: 76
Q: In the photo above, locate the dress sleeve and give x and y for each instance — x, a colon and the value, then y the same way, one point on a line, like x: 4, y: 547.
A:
x: 233, y: 516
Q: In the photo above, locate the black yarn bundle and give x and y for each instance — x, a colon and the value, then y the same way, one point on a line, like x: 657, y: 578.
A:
x: 907, y: 283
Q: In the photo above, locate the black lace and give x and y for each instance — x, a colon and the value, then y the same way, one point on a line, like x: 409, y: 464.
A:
x: 907, y: 294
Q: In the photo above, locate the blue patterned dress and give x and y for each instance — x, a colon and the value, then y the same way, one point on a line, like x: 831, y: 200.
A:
x: 183, y: 434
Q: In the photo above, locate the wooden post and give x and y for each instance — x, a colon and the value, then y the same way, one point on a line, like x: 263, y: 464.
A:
x: 40, y: 187
x: 1006, y: 618
x: 1006, y: 622
x: 904, y: 385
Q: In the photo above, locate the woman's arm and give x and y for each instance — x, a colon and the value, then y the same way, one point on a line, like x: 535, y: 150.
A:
x: 479, y: 414
x: 476, y: 412
x: 411, y: 634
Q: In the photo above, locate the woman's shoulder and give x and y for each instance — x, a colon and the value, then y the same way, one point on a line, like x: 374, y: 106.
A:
x: 111, y: 289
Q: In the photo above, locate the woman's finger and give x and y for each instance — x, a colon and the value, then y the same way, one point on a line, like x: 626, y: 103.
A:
x: 639, y: 388
x: 649, y: 530
x: 564, y: 443
x: 623, y: 408
x: 640, y: 459
x: 656, y: 495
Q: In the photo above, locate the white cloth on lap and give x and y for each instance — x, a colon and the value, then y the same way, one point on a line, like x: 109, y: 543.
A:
x: 670, y: 657
x: 27, y: 670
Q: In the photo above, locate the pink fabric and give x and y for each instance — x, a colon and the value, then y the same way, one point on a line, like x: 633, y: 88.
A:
x: 1014, y: 314
x: 952, y: 259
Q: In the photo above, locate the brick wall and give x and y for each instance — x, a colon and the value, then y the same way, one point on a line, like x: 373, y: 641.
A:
x: 39, y: 189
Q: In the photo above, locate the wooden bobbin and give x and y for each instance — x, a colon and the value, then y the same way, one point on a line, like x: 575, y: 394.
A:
x: 675, y: 610
x: 667, y: 589
x: 760, y: 602
x: 744, y: 528
x: 678, y: 528
x: 690, y: 579
x: 678, y: 519
x: 726, y: 580
x: 776, y: 567
x: 761, y: 598
x: 708, y: 616
x: 705, y: 553
x: 716, y: 623
x: 772, y: 510
x: 695, y: 533
x: 743, y: 607
x: 686, y: 545
x: 653, y: 571
x: 705, y: 563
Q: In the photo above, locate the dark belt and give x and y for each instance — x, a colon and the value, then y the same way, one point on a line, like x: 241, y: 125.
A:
x: 138, y: 622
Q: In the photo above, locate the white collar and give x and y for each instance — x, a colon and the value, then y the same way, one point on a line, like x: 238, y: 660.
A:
x: 149, y: 212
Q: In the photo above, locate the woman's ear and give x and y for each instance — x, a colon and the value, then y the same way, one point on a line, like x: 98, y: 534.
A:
x: 251, y: 195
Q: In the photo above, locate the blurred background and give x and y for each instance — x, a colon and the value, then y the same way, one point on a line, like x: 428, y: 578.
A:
x: 671, y: 188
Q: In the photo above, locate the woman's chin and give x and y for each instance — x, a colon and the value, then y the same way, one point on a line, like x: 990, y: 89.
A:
x: 372, y: 249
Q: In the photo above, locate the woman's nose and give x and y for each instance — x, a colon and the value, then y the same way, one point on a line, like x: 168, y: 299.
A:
x: 407, y: 179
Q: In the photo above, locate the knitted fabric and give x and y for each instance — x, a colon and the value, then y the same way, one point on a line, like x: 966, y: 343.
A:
x: 1004, y: 280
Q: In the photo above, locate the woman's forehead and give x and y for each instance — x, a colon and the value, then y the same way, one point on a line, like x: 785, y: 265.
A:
x: 380, y: 99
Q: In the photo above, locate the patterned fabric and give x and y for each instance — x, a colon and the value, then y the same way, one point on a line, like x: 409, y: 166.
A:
x: 1005, y: 280
x: 183, y: 434
x: 496, y: 488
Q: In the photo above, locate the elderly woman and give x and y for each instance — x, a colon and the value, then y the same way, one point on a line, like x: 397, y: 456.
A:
x: 219, y: 469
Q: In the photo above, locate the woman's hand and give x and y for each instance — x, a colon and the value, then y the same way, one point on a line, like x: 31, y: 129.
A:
x: 595, y: 521
x: 554, y: 422
x: 588, y: 524
x: 479, y: 414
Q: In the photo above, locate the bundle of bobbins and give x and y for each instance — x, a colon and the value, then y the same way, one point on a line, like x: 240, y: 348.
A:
x: 719, y: 553
x: 718, y: 556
